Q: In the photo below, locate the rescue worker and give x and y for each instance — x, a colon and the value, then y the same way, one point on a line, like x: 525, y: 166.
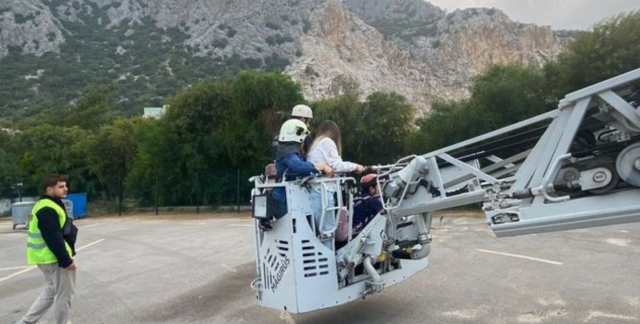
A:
x: 299, y: 112
x: 367, y: 205
x: 51, y: 247
x: 290, y: 162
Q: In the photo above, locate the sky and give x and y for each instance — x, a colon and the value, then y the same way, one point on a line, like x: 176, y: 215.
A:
x: 559, y: 14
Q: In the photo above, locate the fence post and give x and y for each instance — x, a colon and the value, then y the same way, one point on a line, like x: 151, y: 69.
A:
x: 238, y: 192
x: 157, y: 192
x: 197, y: 192
x: 120, y: 195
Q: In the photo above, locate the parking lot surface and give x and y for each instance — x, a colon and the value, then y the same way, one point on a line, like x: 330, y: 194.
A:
x: 198, y: 270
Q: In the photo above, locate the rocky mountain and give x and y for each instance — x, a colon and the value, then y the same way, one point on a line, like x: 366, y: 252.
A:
x: 49, y: 49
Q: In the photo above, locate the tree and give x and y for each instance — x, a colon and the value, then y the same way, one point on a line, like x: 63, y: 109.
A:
x: 223, y: 126
x: 609, y: 49
x: 387, y: 120
x: 111, y: 152
x: 9, y: 172
x: 372, y: 131
x: 93, y: 109
x: 194, y: 117
x: 501, y: 96
x: 346, y: 111
x: 260, y: 104
x: 47, y: 149
x: 156, y: 160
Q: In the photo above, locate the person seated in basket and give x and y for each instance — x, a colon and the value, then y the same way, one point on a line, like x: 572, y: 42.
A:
x: 367, y: 205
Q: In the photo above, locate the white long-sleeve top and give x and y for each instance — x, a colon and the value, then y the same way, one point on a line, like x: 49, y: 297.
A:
x: 326, y: 151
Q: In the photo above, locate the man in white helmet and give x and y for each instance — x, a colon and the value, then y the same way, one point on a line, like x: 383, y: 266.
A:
x: 299, y: 112
x: 289, y: 159
x: 302, y: 112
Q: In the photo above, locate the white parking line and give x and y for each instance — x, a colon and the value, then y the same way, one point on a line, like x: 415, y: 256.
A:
x: 597, y: 314
x: 29, y: 268
x: 88, y: 245
x: 13, y: 268
x: 521, y: 257
x: 17, y: 273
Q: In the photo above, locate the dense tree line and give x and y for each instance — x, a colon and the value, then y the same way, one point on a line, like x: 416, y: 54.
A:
x: 216, y: 129
x: 211, y: 132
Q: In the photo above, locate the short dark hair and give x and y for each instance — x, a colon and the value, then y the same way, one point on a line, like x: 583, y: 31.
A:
x: 52, y: 180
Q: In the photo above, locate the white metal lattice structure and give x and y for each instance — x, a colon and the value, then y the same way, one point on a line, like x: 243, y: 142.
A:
x: 574, y: 167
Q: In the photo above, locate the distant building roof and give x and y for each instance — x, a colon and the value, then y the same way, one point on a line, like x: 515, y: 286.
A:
x: 155, y: 112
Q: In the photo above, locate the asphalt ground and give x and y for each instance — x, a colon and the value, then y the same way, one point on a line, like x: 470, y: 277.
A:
x: 198, y: 270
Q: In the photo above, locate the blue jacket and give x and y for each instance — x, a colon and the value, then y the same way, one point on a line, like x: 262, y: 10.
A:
x: 294, y: 163
x: 295, y: 166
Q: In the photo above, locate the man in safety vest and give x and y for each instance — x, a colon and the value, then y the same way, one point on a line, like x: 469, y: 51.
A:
x: 50, y: 246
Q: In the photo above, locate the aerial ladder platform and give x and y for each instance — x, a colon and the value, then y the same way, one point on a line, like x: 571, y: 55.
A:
x: 577, y: 166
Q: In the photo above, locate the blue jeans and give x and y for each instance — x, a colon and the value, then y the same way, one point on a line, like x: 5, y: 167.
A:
x: 316, y: 207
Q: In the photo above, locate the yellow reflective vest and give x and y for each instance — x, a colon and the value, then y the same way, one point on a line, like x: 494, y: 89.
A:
x: 37, y: 250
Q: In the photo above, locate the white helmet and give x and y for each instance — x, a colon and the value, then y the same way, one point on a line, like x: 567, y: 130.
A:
x: 303, y: 111
x: 293, y: 130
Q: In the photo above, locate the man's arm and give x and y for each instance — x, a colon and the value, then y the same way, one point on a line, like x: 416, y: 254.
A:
x: 52, y: 235
x: 299, y: 166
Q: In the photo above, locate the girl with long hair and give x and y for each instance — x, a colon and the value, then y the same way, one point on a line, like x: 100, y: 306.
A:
x: 327, y: 148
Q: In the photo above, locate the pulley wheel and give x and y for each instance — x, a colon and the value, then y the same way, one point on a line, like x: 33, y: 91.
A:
x: 566, y: 176
x: 628, y: 164
x: 613, y: 183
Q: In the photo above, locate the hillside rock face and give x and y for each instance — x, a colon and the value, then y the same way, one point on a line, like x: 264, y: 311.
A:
x: 449, y: 49
x: 329, y: 46
x: 341, y: 51
x: 29, y: 25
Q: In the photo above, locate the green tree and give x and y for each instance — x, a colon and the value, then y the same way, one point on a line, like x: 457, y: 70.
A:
x: 9, y: 172
x: 346, y: 111
x: 387, y: 121
x: 609, y: 49
x: 93, y: 109
x: 111, y: 152
x: 260, y: 103
x: 47, y: 149
x: 194, y: 117
x: 221, y: 127
x: 501, y: 96
x: 372, y: 131
x: 156, y: 160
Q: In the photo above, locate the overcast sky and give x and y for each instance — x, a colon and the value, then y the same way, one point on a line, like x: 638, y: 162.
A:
x: 560, y: 14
